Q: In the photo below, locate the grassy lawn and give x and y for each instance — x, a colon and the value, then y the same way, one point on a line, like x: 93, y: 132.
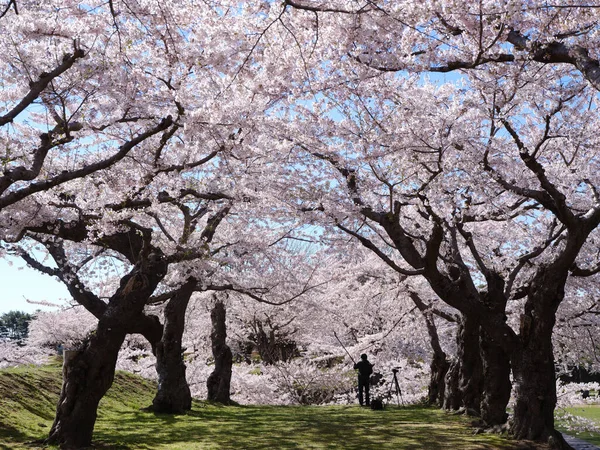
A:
x: 28, y: 396
x: 269, y: 427
x: 591, y: 412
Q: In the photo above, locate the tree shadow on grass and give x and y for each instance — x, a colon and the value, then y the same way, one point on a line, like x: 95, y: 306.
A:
x: 10, y: 434
x: 271, y: 427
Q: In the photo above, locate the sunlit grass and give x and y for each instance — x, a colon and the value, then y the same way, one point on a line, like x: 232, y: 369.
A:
x: 591, y: 412
x: 28, y: 396
x: 269, y: 427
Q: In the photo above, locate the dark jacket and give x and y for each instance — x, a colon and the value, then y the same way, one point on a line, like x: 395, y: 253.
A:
x: 365, y: 369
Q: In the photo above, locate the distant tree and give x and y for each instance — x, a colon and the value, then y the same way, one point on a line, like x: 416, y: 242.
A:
x: 14, y: 325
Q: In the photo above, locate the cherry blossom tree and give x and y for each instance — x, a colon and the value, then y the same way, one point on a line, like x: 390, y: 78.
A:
x: 459, y: 36
x: 123, y: 111
x: 485, y: 186
x: 428, y: 203
x: 576, y: 332
x: 510, y: 44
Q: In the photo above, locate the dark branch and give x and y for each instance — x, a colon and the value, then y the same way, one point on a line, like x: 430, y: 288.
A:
x: 36, y: 87
x: 371, y: 246
x: 65, y: 176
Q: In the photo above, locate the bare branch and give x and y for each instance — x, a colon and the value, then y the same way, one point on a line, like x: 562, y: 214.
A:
x: 68, y: 275
x: 9, y: 4
x: 253, y: 296
x: 577, y: 271
x: 468, y: 237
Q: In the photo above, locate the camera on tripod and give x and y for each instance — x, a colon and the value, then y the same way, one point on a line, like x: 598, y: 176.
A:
x: 394, y: 385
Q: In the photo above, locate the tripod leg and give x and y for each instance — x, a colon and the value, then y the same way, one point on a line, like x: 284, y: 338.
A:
x: 398, y: 391
x: 389, y: 394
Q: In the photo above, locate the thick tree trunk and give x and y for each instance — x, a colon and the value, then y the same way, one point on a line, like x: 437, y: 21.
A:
x: 465, y: 376
x: 173, y: 395
x: 219, y: 381
x: 533, y: 363
x: 452, y: 398
x: 496, y: 382
x: 470, y: 382
x: 439, y: 362
x: 87, y: 374
x: 437, y: 381
x: 495, y: 360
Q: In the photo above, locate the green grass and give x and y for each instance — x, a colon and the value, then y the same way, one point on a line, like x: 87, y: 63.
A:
x: 591, y: 412
x: 28, y: 396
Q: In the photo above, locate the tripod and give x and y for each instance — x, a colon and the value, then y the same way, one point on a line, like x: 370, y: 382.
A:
x: 394, y: 385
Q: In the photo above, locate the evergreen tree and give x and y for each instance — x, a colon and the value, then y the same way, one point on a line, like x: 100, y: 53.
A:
x: 14, y: 325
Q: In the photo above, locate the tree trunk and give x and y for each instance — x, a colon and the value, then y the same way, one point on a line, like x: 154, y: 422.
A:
x: 439, y: 362
x: 496, y: 382
x: 437, y: 381
x: 265, y: 344
x: 173, y: 395
x: 89, y: 373
x: 470, y: 382
x: 219, y: 381
x: 533, y: 363
x: 465, y: 376
x: 452, y: 397
x: 495, y: 360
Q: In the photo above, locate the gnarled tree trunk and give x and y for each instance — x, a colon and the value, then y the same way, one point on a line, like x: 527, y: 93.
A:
x: 495, y: 359
x: 219, y: 381
x: 437, y: 381
x: 464, y: 381
x: 439, y: 362
x: 173, y: 395
x: 533, y: 363
x: 452, y: 399
x: 496, y: 382
x: 89, y: 373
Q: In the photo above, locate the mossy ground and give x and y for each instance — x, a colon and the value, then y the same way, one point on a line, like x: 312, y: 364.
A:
x: 28, y: 397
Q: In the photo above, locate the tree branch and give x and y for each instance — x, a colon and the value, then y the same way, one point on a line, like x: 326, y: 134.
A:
x: 65, y: 176
x: 371, y: 246
x: 36, y: 87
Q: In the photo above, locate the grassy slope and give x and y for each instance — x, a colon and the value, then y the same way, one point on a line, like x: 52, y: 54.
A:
x: 28, y: 396
x: 591, y: 412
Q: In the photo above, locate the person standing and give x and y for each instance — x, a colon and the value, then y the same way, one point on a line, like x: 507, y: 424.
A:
x: 365, y: 369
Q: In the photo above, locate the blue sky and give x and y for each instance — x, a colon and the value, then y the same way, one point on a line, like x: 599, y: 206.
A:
x: 21, y: 283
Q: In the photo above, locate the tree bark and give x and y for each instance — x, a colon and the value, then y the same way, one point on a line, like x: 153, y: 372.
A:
x: 495, y: 359
x: 533, y: 362
x: 219, y: 381
x: 173, y: 395
x: 452, y: 398
x: 496, y: 382
x: 439, y: 362
x: 465, y: 376
x: 437, y: 385
x: 89, y: 373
